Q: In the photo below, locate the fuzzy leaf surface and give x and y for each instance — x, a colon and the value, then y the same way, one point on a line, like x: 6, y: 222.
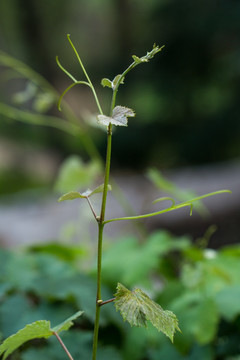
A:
x: 137, y: 308
x: 36, y: 330
x: 119, y: 116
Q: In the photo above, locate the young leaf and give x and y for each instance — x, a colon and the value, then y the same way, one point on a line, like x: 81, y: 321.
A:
x: 139, y: 60
x: 36, y: 330
x: 115, y: 81
x: 119, y: 116
x: 72, y: 195
x: 106, y: 82
x: 137, y: 308
x: 149, y: 55
x: 99, y: 189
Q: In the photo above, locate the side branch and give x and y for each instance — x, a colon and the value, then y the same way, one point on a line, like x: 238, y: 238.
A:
x: 171, y: 208
x: 106, y: 302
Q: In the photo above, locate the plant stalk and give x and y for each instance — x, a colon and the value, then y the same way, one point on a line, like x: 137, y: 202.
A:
x: 100, y: 239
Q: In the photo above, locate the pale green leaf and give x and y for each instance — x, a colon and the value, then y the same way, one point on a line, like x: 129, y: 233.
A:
x: 116, y: 80
x: 106, y: 82
x: 119, y: 116
x: 137, y: 308
x: 99, y: 189
x: 72, y: 195
x: 75, y: 174
x: 38, y: 329
x: 65, y: 325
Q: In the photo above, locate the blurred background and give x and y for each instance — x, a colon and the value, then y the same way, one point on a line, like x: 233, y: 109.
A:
x: 186, y: 100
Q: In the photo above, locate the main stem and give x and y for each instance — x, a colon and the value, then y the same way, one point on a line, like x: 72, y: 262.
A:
x: 100, y: 238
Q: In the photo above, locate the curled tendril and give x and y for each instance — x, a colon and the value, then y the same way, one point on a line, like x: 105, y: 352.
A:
x: 75, y: 82
x: 163, y: 199
x: 69, y: 88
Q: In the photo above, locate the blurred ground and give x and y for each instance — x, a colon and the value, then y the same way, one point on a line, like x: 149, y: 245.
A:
x: 33, y: 218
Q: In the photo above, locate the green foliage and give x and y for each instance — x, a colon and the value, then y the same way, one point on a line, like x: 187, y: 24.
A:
x: 118, y: 118
x: 140, y: 259
x: 137, y: 308
x: 36, y: 330
x: 192, y: 282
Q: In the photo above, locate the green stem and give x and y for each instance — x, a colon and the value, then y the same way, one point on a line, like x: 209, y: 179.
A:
x: 117, y: 85
x: 107, y: 172
x: 101, y: 222
x: 100, y: 239
x: 98, y: 297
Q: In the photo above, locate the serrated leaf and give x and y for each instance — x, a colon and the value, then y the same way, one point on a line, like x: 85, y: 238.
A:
x: 119, y: 116
x: 106, y: 82
x: 137, y: 308
x: 38, y: 329
x: 72, y: 195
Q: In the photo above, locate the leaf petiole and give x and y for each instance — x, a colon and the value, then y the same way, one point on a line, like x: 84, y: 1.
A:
x: 63, y: 345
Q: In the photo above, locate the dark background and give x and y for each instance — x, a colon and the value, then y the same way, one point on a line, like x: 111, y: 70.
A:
x: 186, y: 99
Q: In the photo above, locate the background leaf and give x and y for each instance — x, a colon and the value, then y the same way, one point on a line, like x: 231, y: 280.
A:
x: 72, y: 195
x: 74, y: 174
